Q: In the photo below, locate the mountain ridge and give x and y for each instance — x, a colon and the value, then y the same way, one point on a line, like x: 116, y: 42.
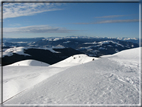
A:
x: 44, y: 55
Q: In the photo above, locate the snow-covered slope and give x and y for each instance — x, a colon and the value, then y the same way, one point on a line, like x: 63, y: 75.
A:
x: 20, y: 78
x: 131, y: 54
x: 109, y: 80
x: 16, y: 75
x: 29, y: 63
x: 74, y: 60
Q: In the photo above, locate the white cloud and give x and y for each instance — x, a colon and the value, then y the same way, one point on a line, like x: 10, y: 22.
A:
x: 11, y: 10
x: 111, y: 16
x: 112, y: 21
x: 118, y: 21
x: 37, y: 29
x: 114, y: 16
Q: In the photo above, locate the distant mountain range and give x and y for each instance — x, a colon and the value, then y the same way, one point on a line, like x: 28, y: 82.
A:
x: 54, y: 49
x: 134, y: 40
x: 90, y: 46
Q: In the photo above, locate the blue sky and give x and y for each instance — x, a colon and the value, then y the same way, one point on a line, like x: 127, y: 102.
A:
x: 70, y: 19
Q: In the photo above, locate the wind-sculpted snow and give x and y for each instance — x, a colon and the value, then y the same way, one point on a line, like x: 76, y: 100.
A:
x: 103, y: 81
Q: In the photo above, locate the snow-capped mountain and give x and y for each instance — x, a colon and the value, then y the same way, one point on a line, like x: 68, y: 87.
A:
x: 109, y: 80
x: 90, y: 46
x: 41, y: 49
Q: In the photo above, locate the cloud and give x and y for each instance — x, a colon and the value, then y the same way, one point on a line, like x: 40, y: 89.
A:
x: 111, y: 21
x: 37, y: 29
x: 114, y: 16
x: 11, y: 10
x: 111, y: 16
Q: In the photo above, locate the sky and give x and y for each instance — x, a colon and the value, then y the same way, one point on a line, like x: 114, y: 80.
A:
x: 28, y: 20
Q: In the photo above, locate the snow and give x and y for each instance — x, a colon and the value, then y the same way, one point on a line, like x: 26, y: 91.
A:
x: 20, y: 50
x: 17, y: 79
x: 114, y: 79
x: 104, y: 42
x: 50, y: 39
x: 29, y: 63
x: 17, y: 50
x: 89, y: 47
x: 67, y: 42
x: 19, y: 42
x: 56, y: 39
x: 131, y: 54
x: 91, y: 42
x: 74, y: 60
x: 16, y: 75
x: 50, y: 49
x: 109, y: 41
x: 58, y: 47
